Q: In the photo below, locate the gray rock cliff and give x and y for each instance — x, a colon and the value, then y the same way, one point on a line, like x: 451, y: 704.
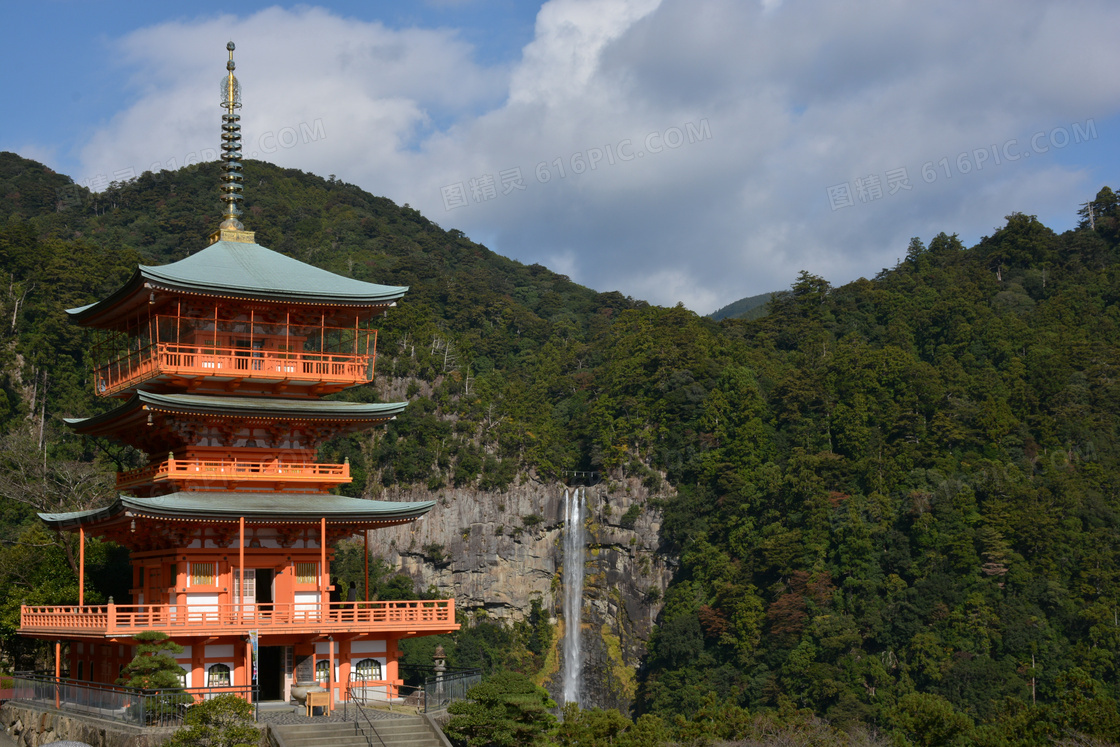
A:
x: 495, y: 552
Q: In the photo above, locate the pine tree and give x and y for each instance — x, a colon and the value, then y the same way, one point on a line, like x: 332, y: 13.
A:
x: 153, y: 668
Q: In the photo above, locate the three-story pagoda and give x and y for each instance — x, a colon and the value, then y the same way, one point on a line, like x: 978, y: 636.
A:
x: 219, y: 362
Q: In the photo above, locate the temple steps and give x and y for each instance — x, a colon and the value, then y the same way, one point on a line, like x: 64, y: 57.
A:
x: 412, y: 731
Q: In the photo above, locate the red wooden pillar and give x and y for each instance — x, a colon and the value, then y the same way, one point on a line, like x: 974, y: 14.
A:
x: 199, y: 676
x: 81, y: 566
x: 391, y: 670
x: 57, y: 670
x: 344, y: 657
x: 324, y: 575
x: 330, y: 672
x: 240, y: 566
x: 239, y: 677
x: 248, y: 668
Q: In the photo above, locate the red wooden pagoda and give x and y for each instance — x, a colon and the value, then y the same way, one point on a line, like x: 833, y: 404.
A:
x: 219, y: 362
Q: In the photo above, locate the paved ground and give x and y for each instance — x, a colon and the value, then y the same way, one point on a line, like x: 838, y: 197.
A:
x: 287, y: 716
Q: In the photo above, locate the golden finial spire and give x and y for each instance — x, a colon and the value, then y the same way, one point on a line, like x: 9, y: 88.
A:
x: 231, y: 228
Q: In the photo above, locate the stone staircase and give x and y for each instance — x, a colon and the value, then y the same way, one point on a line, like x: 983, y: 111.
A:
x: 411, y: 731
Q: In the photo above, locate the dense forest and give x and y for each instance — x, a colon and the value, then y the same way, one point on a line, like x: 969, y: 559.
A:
x: 751, y: 307
x: 894, y: 503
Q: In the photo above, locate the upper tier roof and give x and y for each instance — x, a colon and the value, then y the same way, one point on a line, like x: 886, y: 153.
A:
x: 241, y: 270
x: 242, y: 407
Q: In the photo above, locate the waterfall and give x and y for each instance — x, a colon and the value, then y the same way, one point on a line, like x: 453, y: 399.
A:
x: 573, y: 591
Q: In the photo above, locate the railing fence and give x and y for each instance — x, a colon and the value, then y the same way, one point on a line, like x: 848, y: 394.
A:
x: 124, y: 704
x: 111, y: 618
x: 440, y: 692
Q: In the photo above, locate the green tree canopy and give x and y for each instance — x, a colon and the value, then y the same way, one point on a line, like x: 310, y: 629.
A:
x: 507, y: 710
x: 223, y: 721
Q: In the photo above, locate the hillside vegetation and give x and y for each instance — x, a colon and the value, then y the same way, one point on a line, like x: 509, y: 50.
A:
x: 894, y: 503
x: 751, y: 307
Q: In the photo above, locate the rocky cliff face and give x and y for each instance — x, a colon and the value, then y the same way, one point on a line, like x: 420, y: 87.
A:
x: 498, y: 551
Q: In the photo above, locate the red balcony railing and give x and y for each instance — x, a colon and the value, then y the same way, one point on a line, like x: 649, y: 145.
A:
x: 234, y: 471
x: 228, y: 363
x: 111, y: 620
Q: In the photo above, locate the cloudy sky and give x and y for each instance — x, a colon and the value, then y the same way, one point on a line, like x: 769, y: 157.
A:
x: 692, y: 151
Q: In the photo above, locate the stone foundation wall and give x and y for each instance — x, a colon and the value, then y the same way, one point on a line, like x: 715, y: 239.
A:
x: 30, y: 726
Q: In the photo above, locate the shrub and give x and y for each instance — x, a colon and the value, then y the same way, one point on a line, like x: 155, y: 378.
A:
x: 224, y: 721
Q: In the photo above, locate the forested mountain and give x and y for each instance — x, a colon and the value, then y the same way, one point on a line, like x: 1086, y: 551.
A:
x: 751, y: 307
x: 894, y: 502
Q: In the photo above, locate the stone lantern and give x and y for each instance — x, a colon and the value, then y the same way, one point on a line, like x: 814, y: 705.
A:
x: 439, y: 657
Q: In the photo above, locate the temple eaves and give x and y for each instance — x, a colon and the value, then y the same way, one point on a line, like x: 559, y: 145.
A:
x: 239, y: 407
x: 241, y: 270
x: 254, y: 507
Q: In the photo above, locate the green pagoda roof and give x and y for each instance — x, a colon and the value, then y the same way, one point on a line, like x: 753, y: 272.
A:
x: 272, y: 406
x: 255, y: 507
x: 242, y: 406
x: 131, y: 422
x: 246, y: 270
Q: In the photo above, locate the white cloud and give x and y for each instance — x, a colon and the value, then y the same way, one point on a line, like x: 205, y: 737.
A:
x: 357, y: 94
x: 562, y: 63
x: 798, y: 96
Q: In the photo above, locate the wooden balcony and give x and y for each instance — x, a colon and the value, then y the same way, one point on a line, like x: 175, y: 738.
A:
x: 228, y: 474
x: 121, y: 621
x: 223, y: 369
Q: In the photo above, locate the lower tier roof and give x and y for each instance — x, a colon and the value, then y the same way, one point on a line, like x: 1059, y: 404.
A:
x: 269, y: 508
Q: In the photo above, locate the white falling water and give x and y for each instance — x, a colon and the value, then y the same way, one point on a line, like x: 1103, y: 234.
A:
x: 573, y: 591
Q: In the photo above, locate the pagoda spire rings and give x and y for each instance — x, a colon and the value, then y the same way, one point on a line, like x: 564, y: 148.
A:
x: 231, y: 228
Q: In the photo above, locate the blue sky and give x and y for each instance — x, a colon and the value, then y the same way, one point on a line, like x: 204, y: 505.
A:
x: 695, y: 151
x: 65, y: 54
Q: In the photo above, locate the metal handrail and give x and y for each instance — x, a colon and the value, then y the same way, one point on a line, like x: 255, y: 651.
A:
x: 390, y: 689
x: 361, y: 711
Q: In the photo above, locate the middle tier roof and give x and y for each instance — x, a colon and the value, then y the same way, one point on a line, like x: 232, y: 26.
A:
x: 157, y: 422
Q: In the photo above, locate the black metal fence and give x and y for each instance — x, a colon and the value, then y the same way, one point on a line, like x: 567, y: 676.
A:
x: 124, y: 704
x: 441, y: 691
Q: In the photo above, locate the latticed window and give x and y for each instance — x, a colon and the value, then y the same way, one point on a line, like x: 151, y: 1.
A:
x: 307, y: 573
x: 323, y: 672
x: 368, y: 669
x: 250, y: 585
x: 203, y: 574
x: 217, y: 676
